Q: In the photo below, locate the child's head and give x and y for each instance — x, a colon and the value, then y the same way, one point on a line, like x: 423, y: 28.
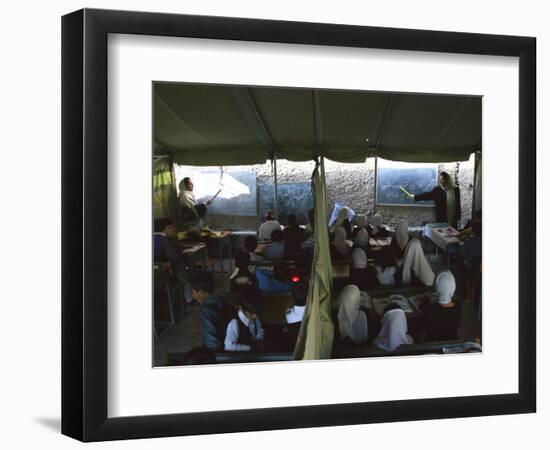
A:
x: 202, y: 285
x: 277, y: 236
x: 385, y: 258
x: 281, y: 272
x: 250, y: 243
x: 166, y: 226
x: 242, y: 260
x: 249, y: 303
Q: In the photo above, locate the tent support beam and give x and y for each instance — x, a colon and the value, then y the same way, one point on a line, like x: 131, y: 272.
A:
x: 317, y: 122
x: 276, y: 189
x: 450, y: 124
x: 383, y: 122
x: 259, y: 119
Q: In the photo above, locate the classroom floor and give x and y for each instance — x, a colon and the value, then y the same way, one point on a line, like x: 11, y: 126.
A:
x: 186, y: 332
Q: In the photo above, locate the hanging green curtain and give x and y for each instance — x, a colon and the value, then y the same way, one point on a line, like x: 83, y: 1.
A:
x: 317, y: 331
x: 164, y: 195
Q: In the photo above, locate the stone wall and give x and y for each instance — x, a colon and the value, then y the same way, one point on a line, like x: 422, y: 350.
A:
x: 353, y: 185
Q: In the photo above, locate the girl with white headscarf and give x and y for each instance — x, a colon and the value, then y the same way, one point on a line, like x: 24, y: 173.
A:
x: 443, y: 317
x: 361, y: 223
x: 393, y: 332
x: 414, y: 261
x: 351, y: 321
x: 402, y: 234
x: 343, y: 214
x: 361, y: 274
x: 378, y: 229
x: 362, y: 239
x: 445, y: 286
x: 340, y: 248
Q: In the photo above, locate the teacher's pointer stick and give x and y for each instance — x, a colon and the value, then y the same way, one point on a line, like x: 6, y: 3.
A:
x: 407, y: 193
x: 212, y: 199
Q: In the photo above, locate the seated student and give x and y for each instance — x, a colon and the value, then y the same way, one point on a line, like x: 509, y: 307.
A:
x: 471, y: 254
x: 385, y: 266
x: 295, y: 315
x: 250, y: 245
x: 361, y: 223
x: 266, y: 228
x: 401, y: 240
x: 245, y: 331
x: 415, y: 263
x: 343, y: 214
x: 308, y: 231
x: 352, y: 322
x: 361, y: 274
x: 393, y: 331
x: 276, y: 281
x: 308, y: 243
x: 362, y: 240
x: 292, y: 227
x: 441, y: 319
x: 213, y: 312
x: 242, y: 278
x: 339, y: 249
x: 378, y: 229
x: 293, y: 237
x: 275, y: 250
x: 167, y: 249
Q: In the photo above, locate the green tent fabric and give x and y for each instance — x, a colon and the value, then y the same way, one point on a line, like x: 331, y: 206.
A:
x: 317, y: 331
x: 213, y: 125
x: 164, y: 195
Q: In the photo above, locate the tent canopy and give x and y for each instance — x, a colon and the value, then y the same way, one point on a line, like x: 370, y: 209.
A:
x: 210, y: 125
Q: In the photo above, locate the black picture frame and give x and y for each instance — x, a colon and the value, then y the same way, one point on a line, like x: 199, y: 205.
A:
x: 84, y: 224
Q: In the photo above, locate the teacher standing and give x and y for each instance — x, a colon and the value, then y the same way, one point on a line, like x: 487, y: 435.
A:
x: 447, y: 200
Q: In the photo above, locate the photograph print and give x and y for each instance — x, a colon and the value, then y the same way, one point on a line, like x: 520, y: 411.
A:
x: 306, y: 224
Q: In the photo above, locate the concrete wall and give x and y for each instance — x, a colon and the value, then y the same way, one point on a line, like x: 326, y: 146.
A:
x: 352, y: 184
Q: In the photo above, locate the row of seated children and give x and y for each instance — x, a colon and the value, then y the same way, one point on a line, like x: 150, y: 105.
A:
x: 266, y: 280
x: 357, y: 325
x: 225, y: 329
x: 377, y: 229
x: 401, y: 263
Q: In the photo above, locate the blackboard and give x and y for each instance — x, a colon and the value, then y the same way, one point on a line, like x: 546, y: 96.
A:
x: 294, y: 198
x: 414, y: 178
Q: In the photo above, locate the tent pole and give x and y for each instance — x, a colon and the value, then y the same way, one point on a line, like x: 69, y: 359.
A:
x: 276, y: 190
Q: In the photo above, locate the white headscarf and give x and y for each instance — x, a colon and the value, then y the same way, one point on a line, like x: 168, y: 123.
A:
x: 343, y: 214
x: 402, y: 234
x: 340, y: 240
x: 359, y: 258
x: 377, y: 221
x: 445, y: 286
x: 352, y: 322
x: 361, y: 221
x: 362, y: 238
x: 393, y: 332
x: 415, y: 261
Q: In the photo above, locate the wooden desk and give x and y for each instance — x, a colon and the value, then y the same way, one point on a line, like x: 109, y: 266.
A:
x: 341, y: 270
x: 216, y: 243
x: 193, y: 250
